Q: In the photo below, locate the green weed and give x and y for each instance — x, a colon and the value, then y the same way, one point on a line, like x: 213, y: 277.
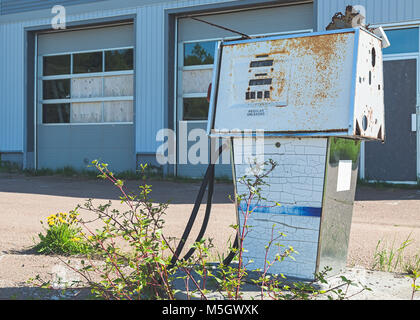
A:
x: 62, y: 236
x: 392, y: 259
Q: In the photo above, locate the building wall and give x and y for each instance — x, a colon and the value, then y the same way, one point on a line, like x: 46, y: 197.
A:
x: 151, y: 41
x: 377, y: 11
x: 13, y: 6
x: 150, y: 36
x: 151, y: 50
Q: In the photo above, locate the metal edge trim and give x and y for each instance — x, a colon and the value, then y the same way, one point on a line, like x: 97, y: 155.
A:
x: 214, y: 88
x: 353, y: 83
x: 324, y: 189
x: 302, y: 35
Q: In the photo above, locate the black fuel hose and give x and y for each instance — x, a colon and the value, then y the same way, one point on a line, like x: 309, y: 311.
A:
x: 207, y: 181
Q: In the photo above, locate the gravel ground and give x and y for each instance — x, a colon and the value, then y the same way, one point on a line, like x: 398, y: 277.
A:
x: 386, y: 214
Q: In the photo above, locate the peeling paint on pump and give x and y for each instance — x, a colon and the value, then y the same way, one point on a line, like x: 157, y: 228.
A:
x: 302, y: 98
x: 302, y: 84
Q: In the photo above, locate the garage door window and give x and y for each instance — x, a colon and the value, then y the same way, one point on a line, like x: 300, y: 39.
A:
x: 88, y: 87
x: 56, y: 113
x: 56, y: 65
x: 196, y: 77
x: 87, y: 62
x: 402, y: 41
x: 199, y: 53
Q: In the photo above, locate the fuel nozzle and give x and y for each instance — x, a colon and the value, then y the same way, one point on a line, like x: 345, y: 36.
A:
x: 353, y: 18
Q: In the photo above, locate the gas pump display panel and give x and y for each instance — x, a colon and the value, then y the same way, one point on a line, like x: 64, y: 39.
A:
x: 318, y: 84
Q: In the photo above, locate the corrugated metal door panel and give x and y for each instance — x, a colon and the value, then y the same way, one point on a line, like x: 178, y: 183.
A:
x: 83, y: 40
x: 251, y: 22
x: 11, y: 90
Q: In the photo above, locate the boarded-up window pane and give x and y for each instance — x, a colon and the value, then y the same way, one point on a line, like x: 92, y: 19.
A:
x: 196, y: 81
x: 118, y: 86
x: 118, y: 111
x: 86, y: 112
x: 86, y: 87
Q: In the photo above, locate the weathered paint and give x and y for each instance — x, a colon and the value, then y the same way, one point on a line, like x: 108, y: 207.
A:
x: 369, y: 90
x: 304, y: 84
x: 297, y: 183
x: 315, y: 212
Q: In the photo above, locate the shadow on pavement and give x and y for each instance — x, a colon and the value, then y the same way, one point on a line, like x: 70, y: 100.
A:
x: 35, y: 293
x: 162, y: 191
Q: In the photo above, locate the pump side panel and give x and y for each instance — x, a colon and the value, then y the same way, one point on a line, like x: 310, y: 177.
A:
x: 337, y: 206
x: 369, y: 113
x: 287, y: 85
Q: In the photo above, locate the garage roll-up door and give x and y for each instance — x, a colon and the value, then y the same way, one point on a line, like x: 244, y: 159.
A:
x: 196, y: 45
x: 85, y: 94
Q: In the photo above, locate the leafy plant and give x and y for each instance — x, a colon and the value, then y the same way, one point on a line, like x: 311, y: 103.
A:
x: 414, y: 276
x: 63, y: 236
x: 412, y: 264
x: 129, y: 257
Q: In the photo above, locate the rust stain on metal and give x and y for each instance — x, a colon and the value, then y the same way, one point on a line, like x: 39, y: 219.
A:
x: 305, y: 70
x: 282, y: 83
x: 324, y: 48
x: 326, y: 53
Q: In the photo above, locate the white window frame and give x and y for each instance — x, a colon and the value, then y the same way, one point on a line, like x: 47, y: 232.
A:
x: 180, y: 94
x: 70, y: 76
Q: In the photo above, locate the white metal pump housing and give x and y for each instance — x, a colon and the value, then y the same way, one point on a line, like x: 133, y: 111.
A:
x: 321, y: 84
x: 304, y: 102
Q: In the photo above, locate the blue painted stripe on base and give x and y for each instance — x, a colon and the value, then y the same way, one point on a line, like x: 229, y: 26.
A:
x: 286, y: 210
